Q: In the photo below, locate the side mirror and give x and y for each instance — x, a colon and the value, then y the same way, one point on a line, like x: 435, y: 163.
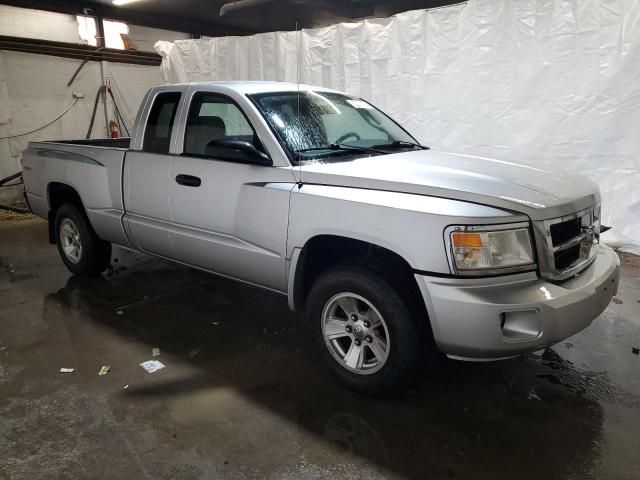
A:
x: 235, y: 150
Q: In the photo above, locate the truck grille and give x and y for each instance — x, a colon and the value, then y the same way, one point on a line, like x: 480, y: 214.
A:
x: 566, y: 245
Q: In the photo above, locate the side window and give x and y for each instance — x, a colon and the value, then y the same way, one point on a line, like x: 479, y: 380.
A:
x: 157, y: 133
x: 215, y: 117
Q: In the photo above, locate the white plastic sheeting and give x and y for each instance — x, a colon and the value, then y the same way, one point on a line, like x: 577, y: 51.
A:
x: 532, y: 81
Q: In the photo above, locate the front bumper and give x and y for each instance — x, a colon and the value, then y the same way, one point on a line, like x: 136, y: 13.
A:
x: 500, y: 317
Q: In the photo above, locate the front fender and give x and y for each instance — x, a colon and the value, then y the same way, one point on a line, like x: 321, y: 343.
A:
x: 409, y: 225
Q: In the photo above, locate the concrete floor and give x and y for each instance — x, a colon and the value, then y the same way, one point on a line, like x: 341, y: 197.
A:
x: 243, y: 394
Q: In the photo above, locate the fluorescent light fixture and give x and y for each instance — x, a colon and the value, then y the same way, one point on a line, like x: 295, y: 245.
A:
x: 122, y: 2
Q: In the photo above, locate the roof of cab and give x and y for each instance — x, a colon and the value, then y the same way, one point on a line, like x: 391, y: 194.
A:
x: 249, y: 87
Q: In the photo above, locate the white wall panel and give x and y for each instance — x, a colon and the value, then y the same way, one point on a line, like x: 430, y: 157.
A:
x: 8, y: 165
x: 543, y: 82
x: 33, y: 88
x: 24, y: 22
x: 38, y: 93
x: 129, y: 84
x: 33, y: 91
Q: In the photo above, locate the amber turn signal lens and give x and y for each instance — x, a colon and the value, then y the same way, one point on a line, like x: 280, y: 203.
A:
x: 466, y: 240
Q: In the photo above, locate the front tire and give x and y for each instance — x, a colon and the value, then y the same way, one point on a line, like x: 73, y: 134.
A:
x: 364, y: 331
x: 83, y: 253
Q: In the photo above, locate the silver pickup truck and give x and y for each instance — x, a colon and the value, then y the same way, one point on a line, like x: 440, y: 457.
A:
x: 393, y: 250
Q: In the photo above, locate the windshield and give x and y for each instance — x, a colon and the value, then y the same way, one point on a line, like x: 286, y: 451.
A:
x: 327, y: 119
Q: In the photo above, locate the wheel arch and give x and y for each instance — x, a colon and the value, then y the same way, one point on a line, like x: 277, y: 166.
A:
x: 325, y: 251
x: 59, y: 193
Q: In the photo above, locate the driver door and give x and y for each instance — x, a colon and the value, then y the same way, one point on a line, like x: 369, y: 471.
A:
x: 227, y: 217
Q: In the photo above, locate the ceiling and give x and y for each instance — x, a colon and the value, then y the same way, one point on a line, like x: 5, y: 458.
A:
x: 202, y: 17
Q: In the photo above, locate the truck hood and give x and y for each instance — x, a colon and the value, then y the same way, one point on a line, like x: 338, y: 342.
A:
x: 536, y: 192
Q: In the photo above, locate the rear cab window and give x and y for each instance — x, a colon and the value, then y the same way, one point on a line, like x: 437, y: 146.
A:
x: 157, y: 132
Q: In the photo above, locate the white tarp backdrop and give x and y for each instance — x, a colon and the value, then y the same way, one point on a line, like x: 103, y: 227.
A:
x: 532, y: 81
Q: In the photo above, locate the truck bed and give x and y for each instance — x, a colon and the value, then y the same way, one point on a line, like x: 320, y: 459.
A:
x: 93, y: 168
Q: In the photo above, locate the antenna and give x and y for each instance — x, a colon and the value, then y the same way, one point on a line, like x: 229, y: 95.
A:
x: 298, y: 100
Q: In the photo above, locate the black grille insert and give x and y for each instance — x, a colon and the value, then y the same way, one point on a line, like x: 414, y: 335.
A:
x: 565, y: 258
x: 565, y: 231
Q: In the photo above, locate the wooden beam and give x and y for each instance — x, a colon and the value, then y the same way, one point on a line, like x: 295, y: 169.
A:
x: 79, y: 51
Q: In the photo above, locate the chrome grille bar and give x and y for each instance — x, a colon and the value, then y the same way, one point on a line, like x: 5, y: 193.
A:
x: 569, y: 243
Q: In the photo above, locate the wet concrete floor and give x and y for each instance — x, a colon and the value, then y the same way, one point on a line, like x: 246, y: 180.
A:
x: 243, y: 394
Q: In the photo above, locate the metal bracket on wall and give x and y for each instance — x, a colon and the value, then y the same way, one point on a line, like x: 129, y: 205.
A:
x: 86, y: 59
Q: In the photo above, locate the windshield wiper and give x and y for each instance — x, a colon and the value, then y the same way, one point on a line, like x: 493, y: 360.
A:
x: 340, y: 147
x: 402, y: 144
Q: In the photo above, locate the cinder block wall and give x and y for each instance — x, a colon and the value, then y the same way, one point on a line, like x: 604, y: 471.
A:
x: 33, y: 88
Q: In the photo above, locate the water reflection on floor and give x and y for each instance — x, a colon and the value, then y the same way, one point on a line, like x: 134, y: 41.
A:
x: 243, y: 394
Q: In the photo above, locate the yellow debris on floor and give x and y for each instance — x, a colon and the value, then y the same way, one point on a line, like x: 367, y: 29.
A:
x: 8, y: 215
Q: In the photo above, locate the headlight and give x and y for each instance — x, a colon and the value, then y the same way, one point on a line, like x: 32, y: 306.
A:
x: 491, y: 249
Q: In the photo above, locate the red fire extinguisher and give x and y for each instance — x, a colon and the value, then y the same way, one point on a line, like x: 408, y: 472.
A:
x: 113, y: 126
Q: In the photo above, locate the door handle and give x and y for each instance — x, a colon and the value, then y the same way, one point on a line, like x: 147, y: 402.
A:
x: 188, y: 180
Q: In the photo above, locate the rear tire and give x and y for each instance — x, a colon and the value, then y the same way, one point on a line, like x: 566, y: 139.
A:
x: 83, y: 253
x: 364, y: 331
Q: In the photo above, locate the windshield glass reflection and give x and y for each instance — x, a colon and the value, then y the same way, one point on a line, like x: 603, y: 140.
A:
x: 317, y: 125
